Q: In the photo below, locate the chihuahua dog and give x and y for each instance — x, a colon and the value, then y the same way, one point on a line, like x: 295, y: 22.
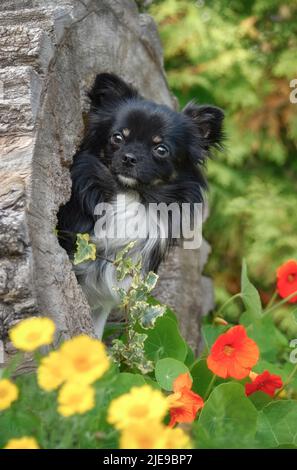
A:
x: 135, y: 152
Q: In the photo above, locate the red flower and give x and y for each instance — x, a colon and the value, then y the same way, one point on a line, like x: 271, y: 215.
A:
x: 287, y: 280
x: 264, y: 382
x: 233, y: 354
x: 183, y: 403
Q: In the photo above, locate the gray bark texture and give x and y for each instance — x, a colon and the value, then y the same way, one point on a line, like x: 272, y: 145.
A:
x: 50, y: 52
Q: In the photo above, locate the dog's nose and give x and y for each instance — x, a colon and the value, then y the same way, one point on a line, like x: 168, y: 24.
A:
x: 129, y: 159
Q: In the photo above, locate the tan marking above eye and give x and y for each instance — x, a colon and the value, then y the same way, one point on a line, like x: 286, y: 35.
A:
x: 126, y: 132
x: 157, y: 139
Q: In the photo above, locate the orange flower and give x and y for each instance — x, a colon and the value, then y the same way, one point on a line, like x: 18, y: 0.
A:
x: 264, y: 382
x: 287, y: 280
x: 183, y: 403
x: 233, y: 354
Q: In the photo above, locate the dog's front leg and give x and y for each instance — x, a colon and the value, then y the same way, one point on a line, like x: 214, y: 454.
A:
x: 99, y: 318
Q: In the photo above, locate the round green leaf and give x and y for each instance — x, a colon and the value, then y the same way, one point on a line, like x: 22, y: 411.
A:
x: 165, y: 341
x: 228, y: 419
x: 202, y: 377
x: 124, y: 382
x: 277, y: 425
x: 167, y: 370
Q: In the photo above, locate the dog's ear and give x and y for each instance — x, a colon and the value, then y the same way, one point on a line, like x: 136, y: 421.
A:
x: 109, y: 89
x: 209, y: 123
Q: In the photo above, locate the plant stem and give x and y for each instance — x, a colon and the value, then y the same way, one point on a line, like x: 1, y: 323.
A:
x: 282, y: 302
x: 227, y: 302
x: 287, y: 382
x: 210, y: 387
x: 272, y: 300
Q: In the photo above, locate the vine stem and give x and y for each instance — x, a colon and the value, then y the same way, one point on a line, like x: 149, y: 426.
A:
x: 272, y: 300
x: 287, y: 382
x: 210, y: 387
x: 282, y: 302
x: 227, y: 302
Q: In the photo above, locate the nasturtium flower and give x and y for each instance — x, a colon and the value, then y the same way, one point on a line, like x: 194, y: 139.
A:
x: 287, y: 280
x: 22, y: 443
x: 75, y: 398
x: 233, y: 354
x: 184, y: 404
x: 8, y: 393
x: 265, y: 382
x: 85, y: 359
x: 32, y: 333
x: 143, y: 404
x: 51, y: 371
x: 153, y: 435
x: 142, y: 435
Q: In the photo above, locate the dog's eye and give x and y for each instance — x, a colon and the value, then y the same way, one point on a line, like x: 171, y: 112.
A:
x: 117, y: 138
x: 161, y: 151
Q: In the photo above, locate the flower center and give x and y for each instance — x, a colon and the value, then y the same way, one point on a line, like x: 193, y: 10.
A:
x: 139, y: 411
x: 228, y: 349
x: 82, y: 363
x: 33, y: 336
x: 146, y: 442
x: 75, y: 399
x: 292, y: 277
x: 3, y: 393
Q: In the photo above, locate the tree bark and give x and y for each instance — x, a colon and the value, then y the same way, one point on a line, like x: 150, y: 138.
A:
x: 50, y: 52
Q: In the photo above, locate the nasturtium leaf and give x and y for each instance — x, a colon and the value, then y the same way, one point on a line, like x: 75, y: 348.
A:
x: 202, y: 377
x: 272, y: 343
x: 124, y: 382
x: 85, y: 250
x: 277, y: 425
x: 210, y: 333
x: 167, y: 370
x: 190, y: 357
x: 250, y: 295
x: 260, y: 399
x: 165, y: 340
x: 228, y: 419
x: 151, y: 382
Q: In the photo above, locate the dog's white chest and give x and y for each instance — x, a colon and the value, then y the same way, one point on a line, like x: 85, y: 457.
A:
x: 123, y: 220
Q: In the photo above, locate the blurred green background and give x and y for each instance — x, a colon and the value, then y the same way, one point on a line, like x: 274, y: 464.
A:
x: 241, y: 56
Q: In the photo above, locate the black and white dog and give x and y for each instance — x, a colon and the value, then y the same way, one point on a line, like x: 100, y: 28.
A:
x: 135, y: 152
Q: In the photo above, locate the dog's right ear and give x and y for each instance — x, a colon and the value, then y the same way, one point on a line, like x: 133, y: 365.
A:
x: 110, y: 89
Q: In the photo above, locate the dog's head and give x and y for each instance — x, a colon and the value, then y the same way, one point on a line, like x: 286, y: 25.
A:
x: 147, y: 144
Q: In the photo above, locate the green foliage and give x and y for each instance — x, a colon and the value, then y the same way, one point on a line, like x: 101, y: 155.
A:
x: 241, y: 56
x: 85, y: 250
x: 228, y: 419
x: 250, y: 295
x: 167, y: 370
x: 156, y: 354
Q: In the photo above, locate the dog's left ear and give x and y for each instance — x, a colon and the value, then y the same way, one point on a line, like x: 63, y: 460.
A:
x: 209, y: 123
x: 109, y: 89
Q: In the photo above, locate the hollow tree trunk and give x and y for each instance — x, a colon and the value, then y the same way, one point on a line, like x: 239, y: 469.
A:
x: 50, y: 52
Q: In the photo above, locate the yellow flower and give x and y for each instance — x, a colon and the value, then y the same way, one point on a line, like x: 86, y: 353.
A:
x: 175, y: 439
x: 142, y: 436
x: 22, y: 443
x: 75, y: 398
x: 32, y: 333
x: 8, y: 393
x: 51, y: 372
x: 85, y: 359
x: 140, y: 404
x: 153, y: 435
